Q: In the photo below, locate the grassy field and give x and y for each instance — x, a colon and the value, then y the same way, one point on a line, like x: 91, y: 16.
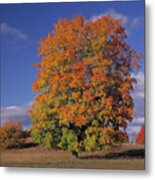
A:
x: 129, y: 157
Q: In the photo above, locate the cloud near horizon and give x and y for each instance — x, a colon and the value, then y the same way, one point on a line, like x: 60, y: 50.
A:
x: 138, y: 98
x: 133, y: 131
x: 138, y: 95
x: 16, y: 113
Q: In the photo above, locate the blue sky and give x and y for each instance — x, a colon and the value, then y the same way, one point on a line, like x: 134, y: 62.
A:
x: 22, y: 25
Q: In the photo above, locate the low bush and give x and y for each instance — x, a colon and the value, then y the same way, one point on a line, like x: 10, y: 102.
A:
x: 11, y: 135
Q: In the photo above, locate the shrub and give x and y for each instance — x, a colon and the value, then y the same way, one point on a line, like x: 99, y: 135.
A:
x: 11, y: 134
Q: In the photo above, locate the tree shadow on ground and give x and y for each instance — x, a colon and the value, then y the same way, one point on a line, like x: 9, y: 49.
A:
x: 129, y: 154
x: 28, y: 145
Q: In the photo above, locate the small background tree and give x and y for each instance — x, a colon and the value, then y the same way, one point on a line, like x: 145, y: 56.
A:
x: 140, y: 139
x: 11, y: 135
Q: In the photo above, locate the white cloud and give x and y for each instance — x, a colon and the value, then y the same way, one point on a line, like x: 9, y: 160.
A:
x: 113, y: 13
x: 13, y: 111
x: 133, y: 24
x: 132, y: 132
x: 16, y: 34
x: 138, y: 94
x: 16, y: 113
x: 11, y: 107
x: 138, y: 97
x: 134, y: 128
x: 139, y: 86
x: 139, y: 120
x: 136, y: 22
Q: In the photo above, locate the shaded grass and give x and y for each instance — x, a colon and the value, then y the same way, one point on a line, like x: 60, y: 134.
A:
x: 126, y: 157
x: 136, y: 153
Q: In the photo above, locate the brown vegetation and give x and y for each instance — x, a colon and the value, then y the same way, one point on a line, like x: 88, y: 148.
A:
x: 141, y: 136
x: 11, y: 135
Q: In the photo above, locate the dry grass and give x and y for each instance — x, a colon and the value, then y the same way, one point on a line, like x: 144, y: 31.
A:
x: 126, y: 157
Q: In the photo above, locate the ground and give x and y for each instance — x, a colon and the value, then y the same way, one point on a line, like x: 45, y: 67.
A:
x: 129, y: 157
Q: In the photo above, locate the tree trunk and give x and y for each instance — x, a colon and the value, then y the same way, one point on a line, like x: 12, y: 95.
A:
x: 75, y: 154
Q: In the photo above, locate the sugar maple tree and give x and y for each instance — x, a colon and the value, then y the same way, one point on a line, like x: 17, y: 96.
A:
x: 83, y: 100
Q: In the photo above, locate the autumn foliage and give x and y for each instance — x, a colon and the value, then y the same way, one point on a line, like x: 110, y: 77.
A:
x: 83, y: 100
x: 11, y: 134
x: 141, y: 136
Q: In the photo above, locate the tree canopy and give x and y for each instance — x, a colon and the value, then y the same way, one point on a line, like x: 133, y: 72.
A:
x: 84, y: 85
